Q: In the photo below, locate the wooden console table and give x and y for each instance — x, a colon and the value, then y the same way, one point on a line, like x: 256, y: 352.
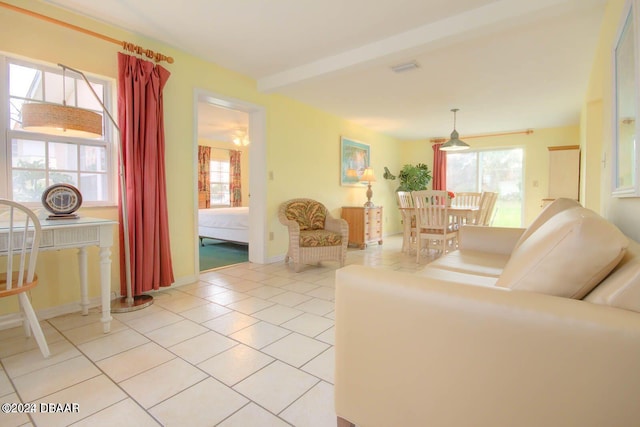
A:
x: 365, y: 225
x: 79, y: 234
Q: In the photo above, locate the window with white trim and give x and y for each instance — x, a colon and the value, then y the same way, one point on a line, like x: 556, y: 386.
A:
x: 219, y: 182
x: 33, y: 161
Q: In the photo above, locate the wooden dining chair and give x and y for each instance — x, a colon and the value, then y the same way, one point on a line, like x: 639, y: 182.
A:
x: 487, y: 205
x: 20, y: 234
x: 405, y: 203
x: 466, y: 199
x: 433, y: 221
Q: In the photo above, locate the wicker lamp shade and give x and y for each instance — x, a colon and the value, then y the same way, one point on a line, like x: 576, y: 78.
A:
x: 61, y: 120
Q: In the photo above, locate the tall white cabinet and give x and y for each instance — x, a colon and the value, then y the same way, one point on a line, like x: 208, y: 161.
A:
x: 564, y: 173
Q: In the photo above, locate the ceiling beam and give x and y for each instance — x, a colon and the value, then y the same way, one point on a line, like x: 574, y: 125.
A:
x: 501, y: 12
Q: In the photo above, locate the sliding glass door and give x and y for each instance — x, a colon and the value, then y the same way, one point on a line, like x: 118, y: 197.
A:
x: 498, y: 171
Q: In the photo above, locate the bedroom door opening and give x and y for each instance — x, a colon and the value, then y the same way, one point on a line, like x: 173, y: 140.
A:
x: 229, y: 126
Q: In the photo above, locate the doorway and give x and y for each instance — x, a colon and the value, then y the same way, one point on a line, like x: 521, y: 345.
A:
x: 224, y: 120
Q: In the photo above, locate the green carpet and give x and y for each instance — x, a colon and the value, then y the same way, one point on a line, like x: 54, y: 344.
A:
x: 217, y: 253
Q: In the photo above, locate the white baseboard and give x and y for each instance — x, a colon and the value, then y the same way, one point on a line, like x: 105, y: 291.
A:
x: 276, y: 258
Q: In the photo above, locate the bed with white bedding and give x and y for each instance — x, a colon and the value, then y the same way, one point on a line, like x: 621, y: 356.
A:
x: 231, y: 224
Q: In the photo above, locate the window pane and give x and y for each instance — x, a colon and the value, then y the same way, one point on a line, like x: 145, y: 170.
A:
x: 462, y: 172
x: 63, y: 156
x: 219, y: 182
x: 93, y: 187
x: 502, y: 173
x: 53, y: 89
x: 86, y: 98
x: 93, y: 159
x: 63, y: 178
x: 15, y: 113
x: 27, y: 154
x: 28, y: 185
x: 25, y: 82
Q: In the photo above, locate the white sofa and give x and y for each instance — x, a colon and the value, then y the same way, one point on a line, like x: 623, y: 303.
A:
x: 535, y: 327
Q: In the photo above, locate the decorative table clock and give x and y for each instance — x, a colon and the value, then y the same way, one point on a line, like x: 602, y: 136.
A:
x: 62, y: 200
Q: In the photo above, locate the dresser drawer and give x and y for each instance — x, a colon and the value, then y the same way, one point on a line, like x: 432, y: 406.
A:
x: 365, y: 225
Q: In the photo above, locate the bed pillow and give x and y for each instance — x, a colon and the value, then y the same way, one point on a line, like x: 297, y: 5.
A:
x: 309, y: 215
x: 566, y: 256
x: 555, y: 207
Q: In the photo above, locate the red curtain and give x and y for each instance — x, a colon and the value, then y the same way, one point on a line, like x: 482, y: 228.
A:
x: 439, y: 168
x: 235, y: 180
x: 141, y: 119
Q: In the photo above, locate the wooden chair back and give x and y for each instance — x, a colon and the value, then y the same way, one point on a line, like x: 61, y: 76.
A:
x: 487, y: 205
x: 20, y: 242
x: 467, y: 199
x: 431, y: 209
x: 404, y: 199
x: 20, y: 234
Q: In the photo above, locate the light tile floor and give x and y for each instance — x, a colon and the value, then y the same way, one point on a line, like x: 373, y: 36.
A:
x: 248, y: 345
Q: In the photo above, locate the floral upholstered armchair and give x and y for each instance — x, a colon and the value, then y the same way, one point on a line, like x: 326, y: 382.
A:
x: 314, y: 235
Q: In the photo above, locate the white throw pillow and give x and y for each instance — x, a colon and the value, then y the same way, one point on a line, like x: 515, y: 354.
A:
x: 566, y: 256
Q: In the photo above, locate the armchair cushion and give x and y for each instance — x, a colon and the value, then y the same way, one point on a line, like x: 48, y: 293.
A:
x: 310, y: 215
x: 547, y: 263
x: 315, y: 238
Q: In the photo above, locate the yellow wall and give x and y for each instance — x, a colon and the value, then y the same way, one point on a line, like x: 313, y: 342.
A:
x: 303, y: 144
x: 597, y: 120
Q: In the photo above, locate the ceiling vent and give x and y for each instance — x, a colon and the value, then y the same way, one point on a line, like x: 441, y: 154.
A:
x: 407, y: 66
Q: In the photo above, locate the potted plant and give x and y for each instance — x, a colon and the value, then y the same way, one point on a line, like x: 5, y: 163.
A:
x: 412, y: 177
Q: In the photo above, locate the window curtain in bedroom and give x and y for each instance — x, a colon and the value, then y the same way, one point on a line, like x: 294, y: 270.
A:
x: 235, y: 181
x: 204, y: 185
x: 141, y: 119
x: 439, y: 168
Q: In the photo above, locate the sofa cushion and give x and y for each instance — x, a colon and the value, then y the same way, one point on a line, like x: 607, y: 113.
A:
x: 566, y: 256
x: 621, y: 288
x: 309, y: 215
x: 558, y: 205
x: 472, y: 262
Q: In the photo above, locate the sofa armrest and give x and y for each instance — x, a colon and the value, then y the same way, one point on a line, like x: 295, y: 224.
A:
x: 497, y: 240
x: 414, y: 352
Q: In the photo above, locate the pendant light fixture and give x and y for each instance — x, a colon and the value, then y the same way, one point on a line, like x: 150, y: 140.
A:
x: 454, y: 144
x: 56, y: 119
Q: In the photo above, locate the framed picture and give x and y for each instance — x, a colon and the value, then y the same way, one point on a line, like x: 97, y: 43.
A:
x: 354, y: 158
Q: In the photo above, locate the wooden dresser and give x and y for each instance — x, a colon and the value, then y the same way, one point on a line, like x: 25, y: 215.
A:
x: 365, y: 225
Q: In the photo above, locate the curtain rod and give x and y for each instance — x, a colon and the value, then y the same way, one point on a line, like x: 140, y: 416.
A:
x: 522, y: 132
x: 131, y: 47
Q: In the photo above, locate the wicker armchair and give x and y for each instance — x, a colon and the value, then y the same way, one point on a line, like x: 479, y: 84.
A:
x: 314, y: 235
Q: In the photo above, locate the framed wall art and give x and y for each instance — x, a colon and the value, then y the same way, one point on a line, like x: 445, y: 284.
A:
x: 354, y: 158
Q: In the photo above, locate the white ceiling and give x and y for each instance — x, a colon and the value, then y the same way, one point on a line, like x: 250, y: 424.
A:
x: 507, y: 64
